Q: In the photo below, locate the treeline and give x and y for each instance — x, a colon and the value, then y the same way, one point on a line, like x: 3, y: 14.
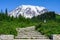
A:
x: 42, y: 17
x: 4, y: 16
x: 46, y: 16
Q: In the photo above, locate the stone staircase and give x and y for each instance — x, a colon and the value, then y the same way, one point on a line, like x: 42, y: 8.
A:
x: 29, y: 33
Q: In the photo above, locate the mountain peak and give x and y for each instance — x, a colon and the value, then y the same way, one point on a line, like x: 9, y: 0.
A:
x: 28, y: 11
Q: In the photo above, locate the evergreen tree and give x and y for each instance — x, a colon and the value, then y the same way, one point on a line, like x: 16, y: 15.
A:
x: 6, y: 11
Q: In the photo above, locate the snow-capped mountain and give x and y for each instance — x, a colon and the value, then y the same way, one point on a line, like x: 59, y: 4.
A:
x: 28, y: 11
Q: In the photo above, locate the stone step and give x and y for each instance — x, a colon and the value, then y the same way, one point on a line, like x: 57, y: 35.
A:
x: 35, y: 36
x: 26, y: 29
x: 31, y: 39
x: 31, y: 34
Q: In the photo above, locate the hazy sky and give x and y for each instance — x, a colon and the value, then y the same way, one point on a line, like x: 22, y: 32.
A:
x: 53, y: 5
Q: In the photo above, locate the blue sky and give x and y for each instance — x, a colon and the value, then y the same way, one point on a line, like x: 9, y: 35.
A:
x: 52, y: 5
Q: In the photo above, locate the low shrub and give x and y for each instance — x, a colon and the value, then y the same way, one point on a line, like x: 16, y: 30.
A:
x: 49, y: 28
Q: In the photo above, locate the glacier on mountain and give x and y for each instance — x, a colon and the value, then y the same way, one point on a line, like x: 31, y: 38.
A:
x: 28, y: 11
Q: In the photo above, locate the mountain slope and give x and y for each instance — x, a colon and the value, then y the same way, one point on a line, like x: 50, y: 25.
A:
x: 28, y: 11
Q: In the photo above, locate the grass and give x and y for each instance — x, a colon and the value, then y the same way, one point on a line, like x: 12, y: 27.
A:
x: 49, y: 28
